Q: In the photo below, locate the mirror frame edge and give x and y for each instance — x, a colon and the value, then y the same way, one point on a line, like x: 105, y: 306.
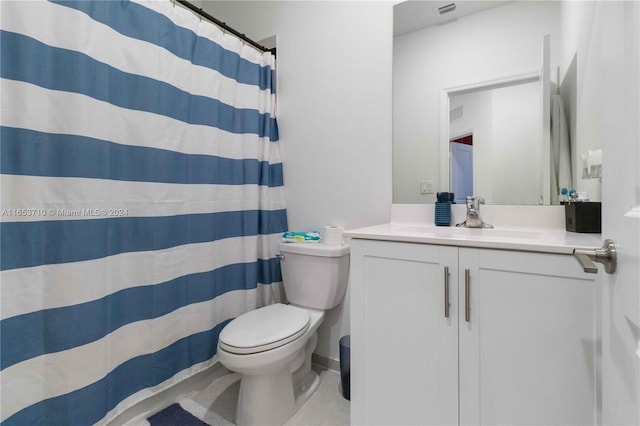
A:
x: 446, y: 92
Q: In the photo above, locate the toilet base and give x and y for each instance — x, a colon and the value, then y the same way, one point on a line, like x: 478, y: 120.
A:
x: 271, y: 399
x: 308, y: 386
x: 265, y: 400
x: 268, y: 407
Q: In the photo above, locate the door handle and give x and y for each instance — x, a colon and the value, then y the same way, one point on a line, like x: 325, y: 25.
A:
x: 606, y: 255
x: 447, y: 304
x: 467, y: 295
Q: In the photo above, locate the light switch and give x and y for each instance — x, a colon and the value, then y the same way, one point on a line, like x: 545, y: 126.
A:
x: 426, y: 187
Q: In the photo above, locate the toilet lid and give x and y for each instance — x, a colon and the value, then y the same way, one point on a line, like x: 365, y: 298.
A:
x: 264, y: 329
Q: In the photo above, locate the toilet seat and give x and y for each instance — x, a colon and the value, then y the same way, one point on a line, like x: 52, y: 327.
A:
x: 264, y: 329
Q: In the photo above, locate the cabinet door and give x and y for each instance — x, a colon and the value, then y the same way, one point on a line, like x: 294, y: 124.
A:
x: 404, y: 361
x: 528, y: 352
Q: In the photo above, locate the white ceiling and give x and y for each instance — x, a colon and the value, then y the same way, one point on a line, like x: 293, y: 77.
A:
x: 413, y: 15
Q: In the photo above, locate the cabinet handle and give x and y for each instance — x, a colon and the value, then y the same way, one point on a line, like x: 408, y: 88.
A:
x: 446, y: 292
x: 467, y: 295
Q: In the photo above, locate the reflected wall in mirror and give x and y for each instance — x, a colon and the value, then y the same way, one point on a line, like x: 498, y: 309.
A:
x: 504, y: 39
x: 500, y: 131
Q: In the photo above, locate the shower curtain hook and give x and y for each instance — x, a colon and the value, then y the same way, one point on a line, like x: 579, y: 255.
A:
x: 174, y: 3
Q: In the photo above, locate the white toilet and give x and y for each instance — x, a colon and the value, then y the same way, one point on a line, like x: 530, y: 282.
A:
x: 271, y: 347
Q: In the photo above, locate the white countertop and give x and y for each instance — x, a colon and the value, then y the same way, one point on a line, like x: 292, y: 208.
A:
x: 512, y: 236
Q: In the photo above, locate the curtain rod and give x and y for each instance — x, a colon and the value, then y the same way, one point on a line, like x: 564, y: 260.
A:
x: 226, y: 27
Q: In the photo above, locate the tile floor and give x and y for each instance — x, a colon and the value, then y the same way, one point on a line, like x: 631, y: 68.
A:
x: 326, y: 406
x: 216, y: 403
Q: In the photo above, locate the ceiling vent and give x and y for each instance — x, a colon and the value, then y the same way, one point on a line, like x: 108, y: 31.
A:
x: 445, y: 9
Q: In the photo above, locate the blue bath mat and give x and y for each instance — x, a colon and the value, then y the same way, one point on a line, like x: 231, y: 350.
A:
x: 175, y: 415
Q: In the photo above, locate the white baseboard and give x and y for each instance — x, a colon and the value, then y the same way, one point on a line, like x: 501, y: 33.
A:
x: 324, y: 362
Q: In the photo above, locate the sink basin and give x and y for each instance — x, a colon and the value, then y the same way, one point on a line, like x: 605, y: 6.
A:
x: 452, y: 232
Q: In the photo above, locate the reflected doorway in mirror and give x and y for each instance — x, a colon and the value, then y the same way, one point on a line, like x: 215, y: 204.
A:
x: 461, y: 167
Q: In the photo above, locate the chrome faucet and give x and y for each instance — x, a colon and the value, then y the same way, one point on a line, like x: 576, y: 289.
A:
x: 473, y: 214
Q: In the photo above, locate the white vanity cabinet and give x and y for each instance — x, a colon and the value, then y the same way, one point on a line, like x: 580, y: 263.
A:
x: 404, y: 352
x: 519, y: 346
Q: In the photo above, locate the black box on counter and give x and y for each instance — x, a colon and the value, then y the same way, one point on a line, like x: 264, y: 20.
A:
x: 584, y: 217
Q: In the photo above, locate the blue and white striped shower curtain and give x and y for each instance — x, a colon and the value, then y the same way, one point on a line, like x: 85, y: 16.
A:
x: 142, y: 200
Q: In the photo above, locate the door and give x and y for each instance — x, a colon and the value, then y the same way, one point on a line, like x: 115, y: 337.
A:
x: 404, y: 349
x: 528, y: 342
x: 461, y: 171
x: 618, y: 53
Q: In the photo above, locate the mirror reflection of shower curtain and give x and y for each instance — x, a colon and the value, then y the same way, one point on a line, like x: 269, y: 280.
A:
x: 560, y: 150
x: 142, y: 175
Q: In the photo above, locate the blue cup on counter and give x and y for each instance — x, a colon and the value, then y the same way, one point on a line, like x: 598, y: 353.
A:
x: 443, y: 208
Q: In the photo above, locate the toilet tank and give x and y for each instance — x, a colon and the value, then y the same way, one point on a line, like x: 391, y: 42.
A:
x: 314, y: 274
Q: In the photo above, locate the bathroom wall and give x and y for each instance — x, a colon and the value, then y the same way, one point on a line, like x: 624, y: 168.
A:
x: 477, y: 116
x: 579, y: 79
x: 334, y: 113
x: 514, y: 145
x: 502, y: 41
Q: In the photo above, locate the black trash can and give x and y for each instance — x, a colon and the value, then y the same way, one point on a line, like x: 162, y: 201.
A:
x: 345, y: 365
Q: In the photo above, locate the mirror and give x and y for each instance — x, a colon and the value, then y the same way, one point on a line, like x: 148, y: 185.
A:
x: 496, y: 130
x: 443, y: 64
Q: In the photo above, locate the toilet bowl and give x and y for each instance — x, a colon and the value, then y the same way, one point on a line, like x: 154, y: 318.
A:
x: 271, y: 347
x: 276, y: 375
